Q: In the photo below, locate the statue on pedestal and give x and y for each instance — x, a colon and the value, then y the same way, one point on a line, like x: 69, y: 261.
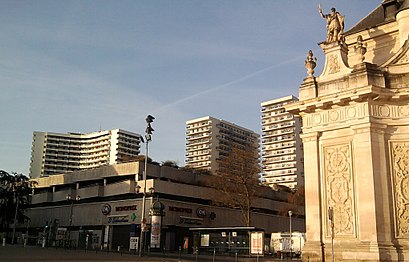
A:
x: 335, y: 25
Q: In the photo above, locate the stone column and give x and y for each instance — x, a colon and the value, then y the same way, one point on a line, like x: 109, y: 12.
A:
x: 373, y: 195
x: 313, y: 249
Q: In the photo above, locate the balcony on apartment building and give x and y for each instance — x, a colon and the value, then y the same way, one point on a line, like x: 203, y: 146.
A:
x: 278, y: 126
x: 283, y: 158
x: 198, y: 141
x: 198, y: 130
x: 278, y: 139
x: 272, y: 147
x: 277, y: 119
x: 196, y: 148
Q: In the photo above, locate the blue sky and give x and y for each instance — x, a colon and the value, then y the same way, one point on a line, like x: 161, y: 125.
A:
x: 82, y: 66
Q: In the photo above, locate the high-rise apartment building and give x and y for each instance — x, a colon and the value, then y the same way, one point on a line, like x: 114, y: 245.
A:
x: 209, y: 139
x: 56, y: 153
x: 282, y: 154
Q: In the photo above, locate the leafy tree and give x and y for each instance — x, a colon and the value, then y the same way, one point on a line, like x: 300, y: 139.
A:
x: 198, y: 171
x: 138, y: 158
x: 170, y: 163
x: 14, y: 191
x: 237, y: 181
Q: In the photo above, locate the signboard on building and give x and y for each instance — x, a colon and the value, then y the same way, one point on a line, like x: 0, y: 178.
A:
x: 133, y: 243
x: 117, y: 219
x: 256, y: 243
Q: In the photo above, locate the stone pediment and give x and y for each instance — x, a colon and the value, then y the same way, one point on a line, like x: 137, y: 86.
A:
x: 336, y: 64
x: 399, y: 63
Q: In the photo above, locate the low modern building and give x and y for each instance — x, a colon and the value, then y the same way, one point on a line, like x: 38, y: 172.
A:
x: 209, y: 139
x: 56, y: 153
x: 103, y: 207
x: 282, y: 151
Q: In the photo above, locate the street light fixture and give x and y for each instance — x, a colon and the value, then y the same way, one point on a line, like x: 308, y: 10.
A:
x: 290, y: 213
x: 148, y: 137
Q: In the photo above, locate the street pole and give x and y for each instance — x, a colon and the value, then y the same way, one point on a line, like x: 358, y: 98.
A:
x: 290, y: 213
x: 69, y: 198
x: 331, y: 219
x: 148, y: 137
x: 15, y: 218
x: 143, y: 219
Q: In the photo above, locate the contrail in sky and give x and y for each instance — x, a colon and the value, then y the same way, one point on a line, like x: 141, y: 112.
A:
x: 233, y: 82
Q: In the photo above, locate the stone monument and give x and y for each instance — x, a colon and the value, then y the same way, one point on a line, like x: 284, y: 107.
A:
x: 355, y: 119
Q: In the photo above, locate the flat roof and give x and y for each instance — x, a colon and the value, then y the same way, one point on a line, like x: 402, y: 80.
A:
x: 278, y: 100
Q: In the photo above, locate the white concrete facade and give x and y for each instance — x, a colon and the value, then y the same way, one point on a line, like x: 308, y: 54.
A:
x: 356, y: 147
x: 56, y: 153
x: 282, y: 153
x: 209, y: 139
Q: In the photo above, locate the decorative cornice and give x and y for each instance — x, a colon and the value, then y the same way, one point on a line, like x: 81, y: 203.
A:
x: 348, y: 96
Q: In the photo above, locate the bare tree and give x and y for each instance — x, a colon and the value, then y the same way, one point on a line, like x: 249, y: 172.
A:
x: 237, y: 181
x: 296, y: 201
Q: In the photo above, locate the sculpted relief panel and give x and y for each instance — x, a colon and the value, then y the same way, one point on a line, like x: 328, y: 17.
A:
x: 389, y: 111
x: 335, y: 115
x: 400, y: 181
x: 352, y: 112
x: 339, y: 187
x: 333, y: 65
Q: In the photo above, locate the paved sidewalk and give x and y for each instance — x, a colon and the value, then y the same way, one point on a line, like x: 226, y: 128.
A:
x: 31, y: 253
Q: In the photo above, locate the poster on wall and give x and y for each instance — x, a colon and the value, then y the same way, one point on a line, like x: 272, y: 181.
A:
x: 256, y: 243
x: 155, y: 233
x: 204, y: 240
x: 133, y: 243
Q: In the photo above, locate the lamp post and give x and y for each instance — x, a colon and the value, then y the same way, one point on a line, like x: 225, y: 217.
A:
x: 148, y: 137
x: 290, y: 213
x: 71, y: 199
x: 14, y: 186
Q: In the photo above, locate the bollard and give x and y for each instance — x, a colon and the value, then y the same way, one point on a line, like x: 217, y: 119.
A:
x: 43, y: 244
x: 237, y: 256
x: 180, y: 253
x: 214, y: 253
x: 4, y: 242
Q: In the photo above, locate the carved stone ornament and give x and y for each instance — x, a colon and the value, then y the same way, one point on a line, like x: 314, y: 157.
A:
x: 335, y: 116
x: 339, y: 187
x: 310, y: 63
x: 400, y: 174
x: 404, y: 59
x: 333, y: 64
x: 360, y: 49
x: 354, y: 112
